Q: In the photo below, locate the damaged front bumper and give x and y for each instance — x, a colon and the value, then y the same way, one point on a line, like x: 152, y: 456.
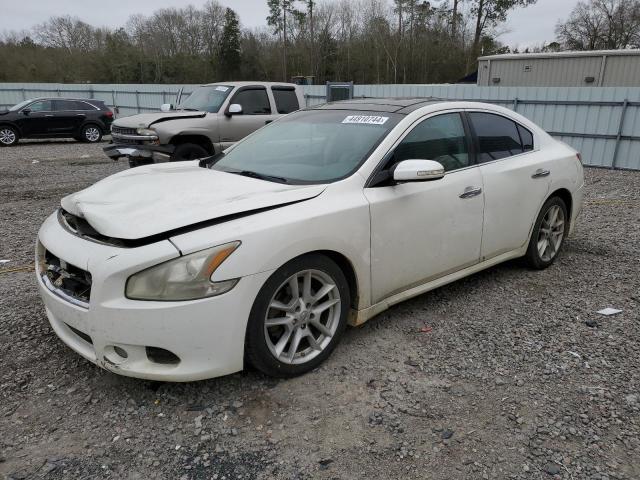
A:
x: 140, y: 154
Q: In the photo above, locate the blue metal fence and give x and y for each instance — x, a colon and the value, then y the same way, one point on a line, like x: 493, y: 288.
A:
x: 603, y: 123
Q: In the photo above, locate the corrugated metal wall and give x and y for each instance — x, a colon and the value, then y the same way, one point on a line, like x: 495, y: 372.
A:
x: 562, y: 71
x: 586, y: 118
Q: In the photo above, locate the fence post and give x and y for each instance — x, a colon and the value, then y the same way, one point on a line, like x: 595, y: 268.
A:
x: 138, y: 100
x: 164, y: 97
x: 24, y: 95
x: 91, y: 91
x: 625, y: 104
x: 515, y: 104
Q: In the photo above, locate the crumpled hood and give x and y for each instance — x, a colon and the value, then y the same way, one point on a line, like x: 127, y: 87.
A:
x: 145, y: 120
x: 154, y: 199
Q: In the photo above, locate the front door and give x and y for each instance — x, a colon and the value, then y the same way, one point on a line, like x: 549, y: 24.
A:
x: 424, y: 230
x: 35, y: 118
x: 516, y: 180
x: 256, y: 113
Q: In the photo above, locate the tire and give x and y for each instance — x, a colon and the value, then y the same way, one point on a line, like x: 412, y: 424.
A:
x: 299, y: 321
x: 91, y: 133
x: 540, y: 255
x: 8, y: 136
x: 188, y: 151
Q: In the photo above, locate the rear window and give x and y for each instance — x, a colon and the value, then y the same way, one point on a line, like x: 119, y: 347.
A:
x: 498, y: 136
x: 286, y: 99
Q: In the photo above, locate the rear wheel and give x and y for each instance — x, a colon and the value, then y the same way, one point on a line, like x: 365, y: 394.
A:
x: 549, y: 232
x: 8, y: 136
x: 91, y: 134
x: 188, y: 151
x: 298, y: 317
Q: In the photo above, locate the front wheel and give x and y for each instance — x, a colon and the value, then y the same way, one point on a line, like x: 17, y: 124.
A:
x: 549, y: 232
x: 188, y: 151
x: 298, y: 317
x: 8, y: 136
x: 91, y: 134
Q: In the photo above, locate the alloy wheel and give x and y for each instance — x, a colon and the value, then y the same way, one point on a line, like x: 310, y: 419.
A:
x: 551, y: 233
x: 302, y: 317
x: 7, y: 136
x: 92, y: 134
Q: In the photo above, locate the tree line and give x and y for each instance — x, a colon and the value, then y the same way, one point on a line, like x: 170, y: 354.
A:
x: 365, y: 41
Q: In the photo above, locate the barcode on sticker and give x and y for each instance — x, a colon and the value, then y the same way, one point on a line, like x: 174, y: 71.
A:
x: 222, y: 89
x: 366, y: 119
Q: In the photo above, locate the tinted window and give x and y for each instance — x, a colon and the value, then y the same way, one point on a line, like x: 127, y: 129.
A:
x: 498, y: 136
x: 439, y: 138
x: 286, y: 100
x: 41, y: 106
x: 527, y: 138
x: 71, y: 105
x: 254, y: 101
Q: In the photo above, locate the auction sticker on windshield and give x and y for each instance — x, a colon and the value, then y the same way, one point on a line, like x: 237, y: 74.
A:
x: 222, y: 89
x: 366, y: 119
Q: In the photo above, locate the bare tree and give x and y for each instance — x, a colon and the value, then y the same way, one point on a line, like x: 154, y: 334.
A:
x: 609, y: 24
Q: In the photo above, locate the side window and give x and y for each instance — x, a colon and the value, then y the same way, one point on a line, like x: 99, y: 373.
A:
x: 64, y: 105
x: 286, y: 99
x: 441, y: 138
x: 254, y: 101
x: 41, y: 106
x: 527, y: 138
x: 498, y: 136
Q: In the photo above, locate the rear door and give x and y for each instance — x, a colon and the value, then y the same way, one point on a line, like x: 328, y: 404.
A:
x: 516, y: 178
x: 256, y: 113
x: 69, y: 115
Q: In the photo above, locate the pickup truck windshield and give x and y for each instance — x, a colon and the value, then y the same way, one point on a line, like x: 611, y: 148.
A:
x: 310, y: 146
x: 207, y: 99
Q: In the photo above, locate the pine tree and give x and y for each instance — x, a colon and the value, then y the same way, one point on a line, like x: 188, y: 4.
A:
x: 230, y: 45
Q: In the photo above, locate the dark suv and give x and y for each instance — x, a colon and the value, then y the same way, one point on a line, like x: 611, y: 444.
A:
x: 82, y: 119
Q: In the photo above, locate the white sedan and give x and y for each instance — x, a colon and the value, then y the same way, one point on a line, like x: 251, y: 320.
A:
x: 326, y: 217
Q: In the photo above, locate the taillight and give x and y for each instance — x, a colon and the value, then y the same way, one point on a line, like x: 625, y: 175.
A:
x: 108, y: 113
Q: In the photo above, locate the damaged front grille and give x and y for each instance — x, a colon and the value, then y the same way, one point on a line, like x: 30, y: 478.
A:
x: 66, y: 280
x: 118, y: 132
x: 81, y: 228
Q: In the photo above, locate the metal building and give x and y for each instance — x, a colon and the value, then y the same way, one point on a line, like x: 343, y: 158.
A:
x: 597, y: 68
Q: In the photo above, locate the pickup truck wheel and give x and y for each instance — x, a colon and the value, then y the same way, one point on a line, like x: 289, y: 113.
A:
x: 188, y: 151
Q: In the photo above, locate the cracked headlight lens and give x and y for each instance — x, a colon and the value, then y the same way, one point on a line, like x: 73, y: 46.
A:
x: 184, y: 278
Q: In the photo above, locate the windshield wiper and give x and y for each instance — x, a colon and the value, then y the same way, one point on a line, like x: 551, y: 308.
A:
x: 260, y: 176
x: 190, y: 109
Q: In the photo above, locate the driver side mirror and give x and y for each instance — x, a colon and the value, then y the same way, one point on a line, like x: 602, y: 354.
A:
x: 166, y: 107
x: 234, y: 109
x: 26, y: 111
x: 418, y: 171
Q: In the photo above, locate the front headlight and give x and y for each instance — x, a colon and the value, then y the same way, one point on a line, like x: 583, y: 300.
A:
x: 184, y: 278
x: 146, y: 131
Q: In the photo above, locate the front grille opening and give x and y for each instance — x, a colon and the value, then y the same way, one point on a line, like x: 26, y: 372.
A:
x: 162, y: 356
x: 82, y: 335
x: 69, y: 279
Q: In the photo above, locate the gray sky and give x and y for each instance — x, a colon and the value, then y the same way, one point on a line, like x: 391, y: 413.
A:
x: 527, y: 26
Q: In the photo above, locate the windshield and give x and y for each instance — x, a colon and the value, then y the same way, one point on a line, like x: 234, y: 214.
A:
x: 20, y: 105
x: 310, y: 146
x: 208, y: 99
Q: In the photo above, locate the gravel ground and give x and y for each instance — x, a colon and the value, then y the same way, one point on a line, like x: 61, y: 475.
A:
x: 507, y: 374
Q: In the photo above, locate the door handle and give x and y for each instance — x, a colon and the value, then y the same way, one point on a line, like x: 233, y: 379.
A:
x: 470, y: 192
x: 48, y: 115
x: 81, y: 114
x: 541, y: 173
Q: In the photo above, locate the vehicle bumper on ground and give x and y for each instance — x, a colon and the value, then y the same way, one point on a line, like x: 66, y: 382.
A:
x: 142, y: 154
x: 166, y: 341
